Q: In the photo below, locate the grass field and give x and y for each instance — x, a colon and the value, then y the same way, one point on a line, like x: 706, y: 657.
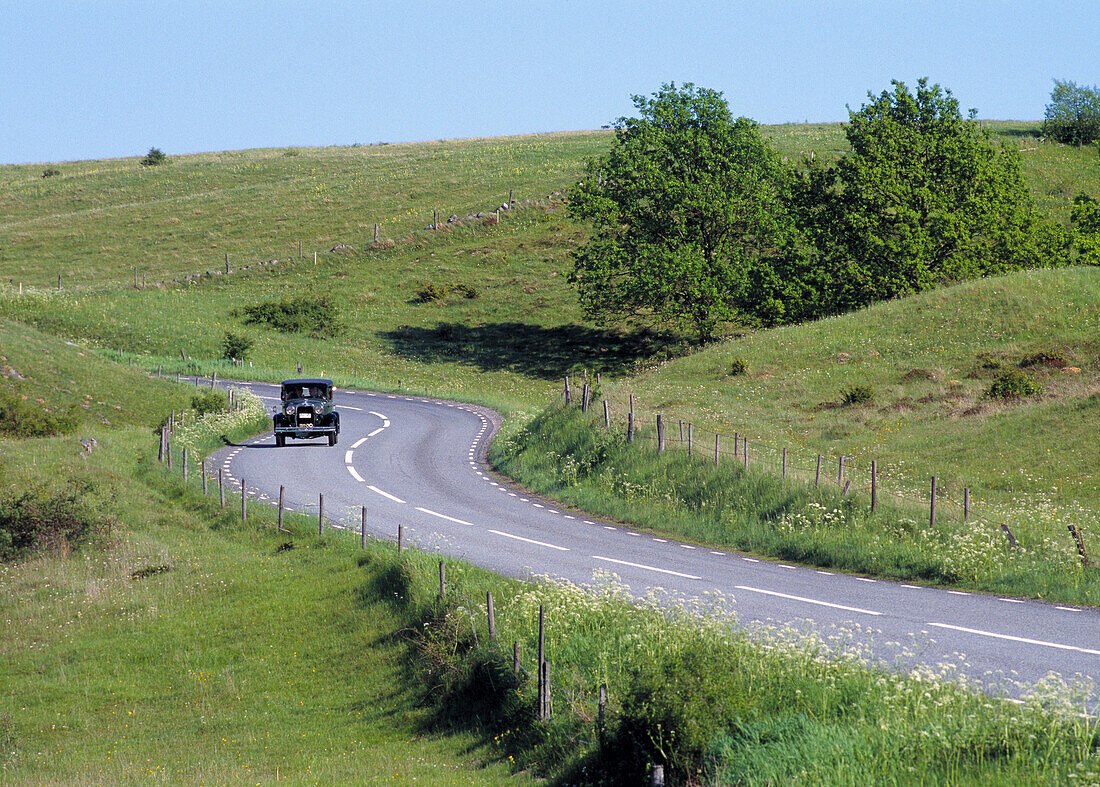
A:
x: 128, y: 656
x: 170, y: 647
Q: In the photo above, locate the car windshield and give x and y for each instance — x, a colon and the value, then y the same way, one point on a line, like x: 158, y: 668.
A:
x: 304, y: 392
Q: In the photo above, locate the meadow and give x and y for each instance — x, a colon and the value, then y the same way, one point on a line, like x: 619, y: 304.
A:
x: 158, y: 593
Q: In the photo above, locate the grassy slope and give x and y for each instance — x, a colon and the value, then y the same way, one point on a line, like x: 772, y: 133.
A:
x: 99, y: 220
x: 201, y: 673
x: 511, y: 345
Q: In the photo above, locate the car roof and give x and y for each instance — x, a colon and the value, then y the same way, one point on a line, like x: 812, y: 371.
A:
x: 308, y: 381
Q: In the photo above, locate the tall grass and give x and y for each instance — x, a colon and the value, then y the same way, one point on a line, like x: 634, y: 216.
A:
x: 564, y: 453
x: 713, y: 704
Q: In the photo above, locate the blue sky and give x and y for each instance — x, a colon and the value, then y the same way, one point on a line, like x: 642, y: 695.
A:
x: 106, y: 79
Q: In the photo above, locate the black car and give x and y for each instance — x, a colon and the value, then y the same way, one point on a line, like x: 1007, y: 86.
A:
x: 306, y: 411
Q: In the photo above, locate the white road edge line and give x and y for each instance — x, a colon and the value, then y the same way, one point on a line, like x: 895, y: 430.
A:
x: 443, y: 516
x: 384, y: 494
x: 644, y: 566
x: 1025, y: 640
x: 376, y: 431
x: 355, y: 475
x: 807, y: 600
x: 358, y: 443
x: 529, y: 540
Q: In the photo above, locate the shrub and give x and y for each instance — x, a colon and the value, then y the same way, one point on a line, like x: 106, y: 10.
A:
x: 317, y: 317
x: 1044, y: 358
x: 857, y: 394
x: 1013, y: 385
x: 672, y: 717
x: 49, y: 173
x: 21, y: 417
x: 211, y: 401
x: 154, y: 158
x: 430, y: 293
x: 738, y: 367
x: 235, y: 347
x: 465, y: 290
x: 36, y: 519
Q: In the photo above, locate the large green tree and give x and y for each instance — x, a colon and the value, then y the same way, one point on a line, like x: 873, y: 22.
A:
x: 923, y: 198
x: 688, y: 209
x: 1073, y: 114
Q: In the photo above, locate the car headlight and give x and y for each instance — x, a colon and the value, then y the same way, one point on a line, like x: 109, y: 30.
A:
x: 289, y: 409
x: 317, y: 408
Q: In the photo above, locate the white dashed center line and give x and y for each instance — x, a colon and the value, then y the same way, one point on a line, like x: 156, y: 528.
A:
x: 645, y: 567
x: 529, y: 540
x: 1025, y: 640
x: 807, y: 600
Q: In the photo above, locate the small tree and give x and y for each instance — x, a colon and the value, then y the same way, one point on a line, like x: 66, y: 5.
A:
x: 1073, y: 114
x: 154, y: 158
x: 235, y: 347
x: 684, y: 207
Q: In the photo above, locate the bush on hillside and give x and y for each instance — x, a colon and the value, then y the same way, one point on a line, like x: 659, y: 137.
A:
x: 1014, y: 385
x: 738, y: 367
x: 235, y: 347
x: 53, y: 520
x: 317, y: 317
x: 430, y: 293
x: 209, y: 401
x: 154, y: 158
x: 858, y: 394
x: 23, y: 417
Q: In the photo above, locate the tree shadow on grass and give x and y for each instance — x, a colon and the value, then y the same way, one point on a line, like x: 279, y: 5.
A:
x: 537, y: 351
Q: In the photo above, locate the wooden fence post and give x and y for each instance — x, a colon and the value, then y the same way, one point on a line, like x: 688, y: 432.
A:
x: 784, y: 462
x: 203, y: 469
x: 817, y: 475
x: 932, y: 505
x: 400, y: 538
x: 1080, y: 545
x: 630, y: 421
x: 442, y: 579
x: 601, y: 719
x: 567, y: 390
x: 515, y: 657
x: 840, y: 470
x: 966, y: 505
x: 491, y: 614
x: 363, y: 530
x: 221, y: 488
x: 606, y: 415
x: 542, y: 658
x: 585, y: 393
x: 717, y: 446
x: 660, y: 434
x: 320, y: 514
x: 376, y: 230
x: 213, y: 379
x: 657, y: 776
x: 689, y: 439
x: 874, y: 486
x: 185, y: 463
x: 681, y: 431
x: 244, y: 502
x: 282, y: 491
x: 745, y: 450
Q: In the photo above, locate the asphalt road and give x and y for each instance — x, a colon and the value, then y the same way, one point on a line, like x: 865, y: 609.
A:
x: 421, y: 463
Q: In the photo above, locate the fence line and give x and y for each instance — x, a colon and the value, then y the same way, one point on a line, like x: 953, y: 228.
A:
x: 844, y: 472
x: 224, y: 269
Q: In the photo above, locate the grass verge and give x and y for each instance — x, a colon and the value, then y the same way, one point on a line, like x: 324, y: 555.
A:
x: 563, y: 453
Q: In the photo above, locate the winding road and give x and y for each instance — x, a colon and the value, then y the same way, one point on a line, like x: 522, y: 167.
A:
x: 421, y: 463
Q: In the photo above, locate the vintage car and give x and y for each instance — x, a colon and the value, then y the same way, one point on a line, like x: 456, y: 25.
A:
x: 306, y: 411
